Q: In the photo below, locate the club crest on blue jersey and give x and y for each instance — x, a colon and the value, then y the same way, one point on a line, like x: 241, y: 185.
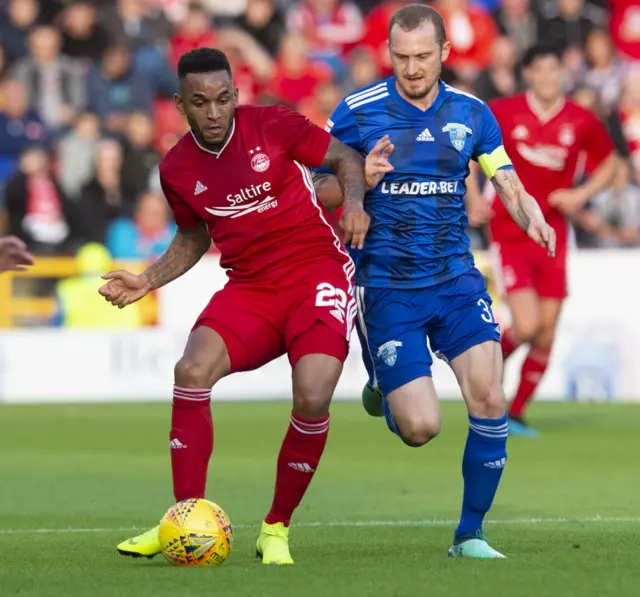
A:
x: 388, y: 352
x: 457, y: 134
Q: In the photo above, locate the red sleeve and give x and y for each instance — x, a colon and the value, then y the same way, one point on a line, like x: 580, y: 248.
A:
x: 183, y: 214
x: 596, y: 140
x: 302, y: 140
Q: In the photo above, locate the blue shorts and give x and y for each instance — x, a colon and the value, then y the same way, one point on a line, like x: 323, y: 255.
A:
x: 394, y: 324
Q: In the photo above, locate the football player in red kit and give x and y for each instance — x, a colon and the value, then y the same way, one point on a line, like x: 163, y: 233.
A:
x: 544, y: 135
x: 241, y: 178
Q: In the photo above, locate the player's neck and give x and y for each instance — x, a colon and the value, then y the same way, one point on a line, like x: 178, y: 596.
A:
x: 542, y: 106
x: 423, y: 103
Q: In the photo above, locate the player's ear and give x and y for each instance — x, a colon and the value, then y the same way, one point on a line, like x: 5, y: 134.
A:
x: 236, y: 95
x: 446, y: 49
x: 177, y: 100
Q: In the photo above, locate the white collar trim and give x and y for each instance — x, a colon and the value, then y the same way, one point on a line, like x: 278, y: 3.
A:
x: 544, y: 116
x: 216, y: 153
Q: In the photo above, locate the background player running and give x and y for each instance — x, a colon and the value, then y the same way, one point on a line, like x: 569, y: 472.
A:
x: 545, y: 135
x: 240, y: 177
x: 415, y: 275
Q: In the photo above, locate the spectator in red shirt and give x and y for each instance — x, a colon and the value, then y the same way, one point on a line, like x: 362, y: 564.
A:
x: 321, y: 105
x: 471, y: 32
x: 625, y: 27
x: 296, y: 76
x: 377, y: 32
x: 331, y: 27
x: 194, y: 31
x: 363, y: 69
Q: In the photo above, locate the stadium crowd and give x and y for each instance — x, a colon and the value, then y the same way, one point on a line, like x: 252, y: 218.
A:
x: 86, y: 109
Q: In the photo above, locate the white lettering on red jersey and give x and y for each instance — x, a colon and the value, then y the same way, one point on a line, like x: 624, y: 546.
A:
x: 545, y: 149
x: 256, y: 195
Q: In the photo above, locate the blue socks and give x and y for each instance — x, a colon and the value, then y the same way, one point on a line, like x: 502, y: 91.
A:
x: 482, y: 465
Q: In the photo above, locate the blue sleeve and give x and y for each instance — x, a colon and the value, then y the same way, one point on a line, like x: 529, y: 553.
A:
x: 489, y: 150
x: 343, y: 126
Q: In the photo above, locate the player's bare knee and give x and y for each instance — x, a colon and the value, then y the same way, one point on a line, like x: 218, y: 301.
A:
x: 418, y: 432
x: 488, y: 402
x: 525, y: 332
x: 312, y: 405
x: 191, y: 373
x: 544, y: 338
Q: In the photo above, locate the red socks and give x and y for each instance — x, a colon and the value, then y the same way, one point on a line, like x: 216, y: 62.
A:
x: 531, y: 374
x: 191, y: 441
x: 508, y: 343
x: 297, y: 462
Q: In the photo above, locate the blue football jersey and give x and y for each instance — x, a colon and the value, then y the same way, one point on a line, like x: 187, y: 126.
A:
x: 418, y: 234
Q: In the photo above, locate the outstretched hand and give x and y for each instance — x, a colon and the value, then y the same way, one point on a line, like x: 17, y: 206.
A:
x: 14, y: 255
x: 377, y: 162
x: 124, y: 288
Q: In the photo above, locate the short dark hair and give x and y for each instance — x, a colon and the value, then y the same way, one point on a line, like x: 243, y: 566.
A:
x: 540, y: 51
x: 412, y: 16
x: 203, y: 60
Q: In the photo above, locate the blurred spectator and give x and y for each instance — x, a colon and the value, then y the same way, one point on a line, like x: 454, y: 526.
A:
x: 146, y: 235
x: 51, y: 79
x: 83, y: 37
x: 136, y: 23
x: 502, y: 78
x: 630, y: 117
x: 3, y: 66
x: 15, y: 22
x: 606, y: 71
x: 20, y: 126
x: 363, y: 69
x: 575, y: 68
x: 114, y: 89
x: 519, y: 22
x: 377, y: 32
x: 296, y: 76
x: 139, y: 157
x: 102, y: 199
x: 264, y: 22
x: 625, y: 27
x: 588, y: 98
x: 194, y: 31
x: 79, y: 304
x: 321, y: 105
x: 471, y: 32
x: 252, y: 65
x: 569, y: 28
x: 76, y: 154
x: 331, y: 28
x: 612, y: 218
x: 39, y: 212
x: 169, y: 126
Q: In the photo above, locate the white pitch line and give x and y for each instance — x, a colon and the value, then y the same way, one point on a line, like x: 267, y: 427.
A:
x: 354, y: 523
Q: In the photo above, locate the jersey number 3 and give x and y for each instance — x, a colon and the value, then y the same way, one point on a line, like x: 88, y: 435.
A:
x: 487, y: 313
x: 335, y: 298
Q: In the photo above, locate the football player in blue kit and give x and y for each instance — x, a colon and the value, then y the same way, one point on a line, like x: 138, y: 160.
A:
x: 415, y: 275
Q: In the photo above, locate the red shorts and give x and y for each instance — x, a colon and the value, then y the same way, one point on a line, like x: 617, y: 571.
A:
x: 523, y: 264
x: 311, y: 314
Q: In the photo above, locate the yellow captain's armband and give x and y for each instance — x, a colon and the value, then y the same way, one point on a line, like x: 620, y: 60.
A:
x: 492, y: 162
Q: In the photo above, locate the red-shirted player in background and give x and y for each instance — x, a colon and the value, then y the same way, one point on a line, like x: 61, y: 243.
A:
x: 240, y: 177
x: 544, y: 134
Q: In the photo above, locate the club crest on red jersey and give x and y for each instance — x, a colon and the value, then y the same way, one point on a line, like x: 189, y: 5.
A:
x: 520, y: 132
x: 259, y: 161
x: 567, y: 135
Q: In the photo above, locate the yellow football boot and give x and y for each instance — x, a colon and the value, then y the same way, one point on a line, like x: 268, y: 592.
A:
x: 273, y: 544
x: 146, y: 545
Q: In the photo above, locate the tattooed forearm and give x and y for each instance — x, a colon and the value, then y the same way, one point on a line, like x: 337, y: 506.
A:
x: 521, y: 206
x: 349, y: 166
x: 327, y: 189
x: 186, y: 249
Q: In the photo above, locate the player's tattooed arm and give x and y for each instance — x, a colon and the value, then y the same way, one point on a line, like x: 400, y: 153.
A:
x: 327, y: 189
x: 349, y: 166
x: 524, y: 209
x: 186, y: 249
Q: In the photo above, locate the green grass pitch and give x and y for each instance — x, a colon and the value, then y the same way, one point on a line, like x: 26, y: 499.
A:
x: 377, y: 521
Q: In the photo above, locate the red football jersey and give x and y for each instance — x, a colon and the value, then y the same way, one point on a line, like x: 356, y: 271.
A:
x: 545, y: 149
x: 256, y: 195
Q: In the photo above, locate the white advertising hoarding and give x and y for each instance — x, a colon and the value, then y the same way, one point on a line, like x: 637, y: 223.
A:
x: 597, y: 352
